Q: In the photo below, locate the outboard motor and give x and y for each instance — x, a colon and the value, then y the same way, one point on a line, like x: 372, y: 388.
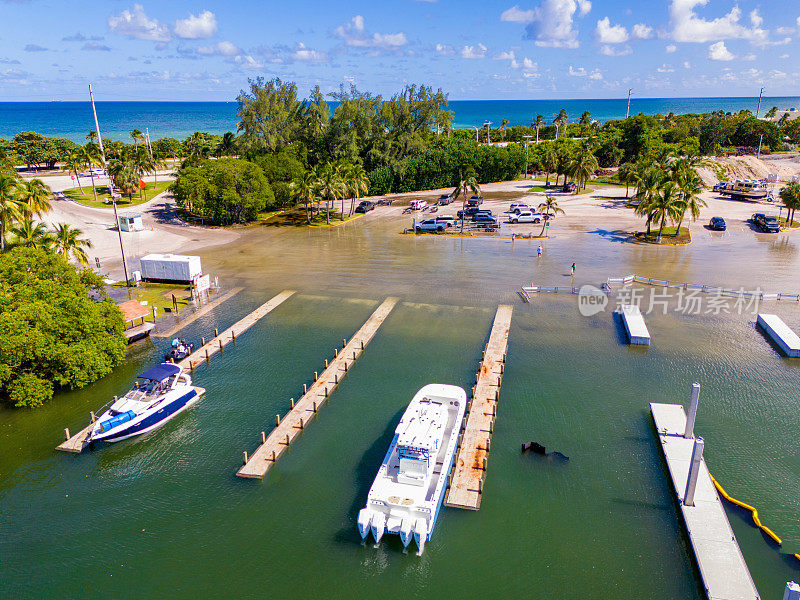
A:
x: 378, y: 526
x: 364, y: 519
x: 421, y: 534
x: 406, y: 528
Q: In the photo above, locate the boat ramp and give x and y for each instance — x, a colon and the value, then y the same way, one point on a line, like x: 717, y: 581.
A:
x: 300, y: 414
x: 469, y: 471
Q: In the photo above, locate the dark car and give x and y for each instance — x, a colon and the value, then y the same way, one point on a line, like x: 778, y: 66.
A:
x: 445, y: 199
x: 717, y: 224
x: 484, y: 218
x: 365, y: 206
x: 475, y: 201
x: 767, y: 224
x: 471, y: 211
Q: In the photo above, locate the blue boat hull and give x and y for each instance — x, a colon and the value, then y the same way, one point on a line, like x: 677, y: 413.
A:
x: 154, y: 420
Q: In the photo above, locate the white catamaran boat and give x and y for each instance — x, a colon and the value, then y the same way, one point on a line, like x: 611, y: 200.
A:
x: 159, y: 394
x: 407, y: 493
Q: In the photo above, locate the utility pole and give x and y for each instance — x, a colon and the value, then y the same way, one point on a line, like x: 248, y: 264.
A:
x: 527, y: 139
x: 488, y: 125
x: 477, y: 129
x: 628, y: 110
x: 758, y: 109
x: 110, y: 186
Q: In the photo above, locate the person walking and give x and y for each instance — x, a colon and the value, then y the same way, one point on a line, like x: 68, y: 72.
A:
x: 539, y: 251
x: 573, y: 269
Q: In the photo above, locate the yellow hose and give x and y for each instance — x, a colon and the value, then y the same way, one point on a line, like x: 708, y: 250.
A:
x: 752, y: 509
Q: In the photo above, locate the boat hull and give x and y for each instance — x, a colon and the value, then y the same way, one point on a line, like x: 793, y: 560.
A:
x: 149, y: 421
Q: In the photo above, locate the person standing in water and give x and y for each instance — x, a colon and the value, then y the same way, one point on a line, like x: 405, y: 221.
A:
x: 539, y: 251
x: 573, y: 269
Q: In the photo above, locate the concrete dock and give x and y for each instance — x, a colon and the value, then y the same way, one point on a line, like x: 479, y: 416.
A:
x: 78, y: 443
x: 722, y: 567
x: 634, y: 325
x: 780, y: 333
x: 296, y: 420
x: 469, y: 470
x: 229, y: 335
x: 202, y: 311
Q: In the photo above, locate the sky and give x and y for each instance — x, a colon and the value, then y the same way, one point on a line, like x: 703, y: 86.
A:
x: 472, y: 49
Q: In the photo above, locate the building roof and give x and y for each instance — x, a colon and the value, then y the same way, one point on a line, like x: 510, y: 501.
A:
x: 132, y: 310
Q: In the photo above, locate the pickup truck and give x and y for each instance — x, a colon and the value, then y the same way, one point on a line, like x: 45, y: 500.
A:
x: 471, y: 211
x: 526, y: 216
x: 430, y: 225
x: 767, y: 224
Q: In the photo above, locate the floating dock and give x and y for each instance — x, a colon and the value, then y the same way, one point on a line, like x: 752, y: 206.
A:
x: 229, y: 335
x: 295, y: 421
x: 466, y: 484
x: 634, y: 325
x: 77, y: 443
x: 780, y: 333
x: 722, y: 567
x: 197, y: 314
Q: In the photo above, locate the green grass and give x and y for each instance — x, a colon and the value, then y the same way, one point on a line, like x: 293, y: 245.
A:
x: 669, y: 236
x: 87, y: 198
x: 159, y: 295
x: 789, y: 224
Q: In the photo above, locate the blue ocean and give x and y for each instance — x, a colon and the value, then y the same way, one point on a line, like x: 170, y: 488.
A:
x: 74, y: 120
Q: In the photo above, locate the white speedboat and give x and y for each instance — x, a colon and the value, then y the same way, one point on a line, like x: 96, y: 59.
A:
x: 408, y: 490
x: 159, y: 394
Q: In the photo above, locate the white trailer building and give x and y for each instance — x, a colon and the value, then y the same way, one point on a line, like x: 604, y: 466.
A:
x: 171, y: 267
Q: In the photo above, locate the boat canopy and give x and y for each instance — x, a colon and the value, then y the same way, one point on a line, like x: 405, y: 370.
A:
x: 161, y: 372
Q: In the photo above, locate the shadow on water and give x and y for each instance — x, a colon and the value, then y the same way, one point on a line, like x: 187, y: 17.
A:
x: 622, y: 335
x: 613, y: 235
x: 365, y: 472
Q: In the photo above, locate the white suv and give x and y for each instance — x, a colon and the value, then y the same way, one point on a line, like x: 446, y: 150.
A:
x: 526, y: 216
x: 518, y: 207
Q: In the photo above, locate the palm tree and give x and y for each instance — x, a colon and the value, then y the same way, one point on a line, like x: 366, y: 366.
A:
x: 648, y: 183
x: 35, y: 196
x: 123, y: 174
x: 330, y: 186
x: 625, y: 174
x: 549, y: 161
x: 144, y: 163
x: 503, y: 124
x: 75, y: 163
x: 227, y: 145
x: 92, y: 155
x: 666, y: 206
x: 583, y: 167
x: 790, y: 195
x: 585, y: 121
x: 538, y: 124
x: 31, y: 236
x: 197, y: 147
x: 67, y: 241
x: 92, y: 137
x: 548, y: 208
x: 564, y: 154
x: 689, y: 186
x: 137, y: 136
x: 10, y: 206
x: 357, y: 183
x: 560, y: 120
x: 770, y: 114
x: 304, y: 190
x: 466, y: 184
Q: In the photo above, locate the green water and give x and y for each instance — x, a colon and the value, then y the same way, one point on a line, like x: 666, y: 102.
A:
x: 164, y: 515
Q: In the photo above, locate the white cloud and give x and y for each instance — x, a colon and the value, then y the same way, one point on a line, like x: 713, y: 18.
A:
x: 581, y: 72
x: 248, y: 62
x: 755, y: 18
x: 687, y: 26
x: 203, y: 25
x: 642, y: 31
x: 784, y: 56
x: 798, y: 21
x: 611, y: 34
x: 687, y: 64
x: 478, y: 51
x: 305, y: 54
x: 671, y: 48
x: 718, y: 51
x: 228, y: 49
x: 515, y: 15
x: 445, y: 50
x: 551, y: 23
x: 749, y: 57
x: 775, y: 74
x: 665, y: 68
x: 615, y: 50
x: 508, y: 55
x: 136, y: 24
x: 527, y: 65
x: 354, y: 34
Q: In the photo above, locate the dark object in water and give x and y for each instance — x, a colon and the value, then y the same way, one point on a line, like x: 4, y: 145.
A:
x: 534, y: 447
x: 178, y: 352
x: 542, y: 451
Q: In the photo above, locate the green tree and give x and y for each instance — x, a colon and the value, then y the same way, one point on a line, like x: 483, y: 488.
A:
x: 585, y: 121
x: 330, y: 187
x: 583, y: 166
x: 549, y: 209
x: 304, y: 188
x: 649, y: 180
x: 92, y: 157
x: 549, y: 161
x: 269, y: 115
x: 466, y: 184
x: 137, y: 136
x: 790, y: 196
x: 10, y: 206
x: 75, y: 163
x: 55, y: 332
x: 689, y: 185
x: 770, y: 114
x: 35, y: 196
x: 538, y: 124
x: 67, y: 242
x: 31, y: 235
x: 626, y: 175
x: 357, y: 183
x: 666, y: 206
x: 123, y: 174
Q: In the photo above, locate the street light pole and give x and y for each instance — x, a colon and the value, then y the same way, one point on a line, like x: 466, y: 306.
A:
x: 628, y: 110
x: 758, y: 109
x: 527, y: 140
x: 110, y: 186
x: 477, y: 129
x: 488, y: 125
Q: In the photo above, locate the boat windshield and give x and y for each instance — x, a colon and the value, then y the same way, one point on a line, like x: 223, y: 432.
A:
x: 147, y: 386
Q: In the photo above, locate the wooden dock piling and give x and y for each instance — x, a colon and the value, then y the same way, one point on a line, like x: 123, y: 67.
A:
x: 466, y: 486
x: 313, y: 398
